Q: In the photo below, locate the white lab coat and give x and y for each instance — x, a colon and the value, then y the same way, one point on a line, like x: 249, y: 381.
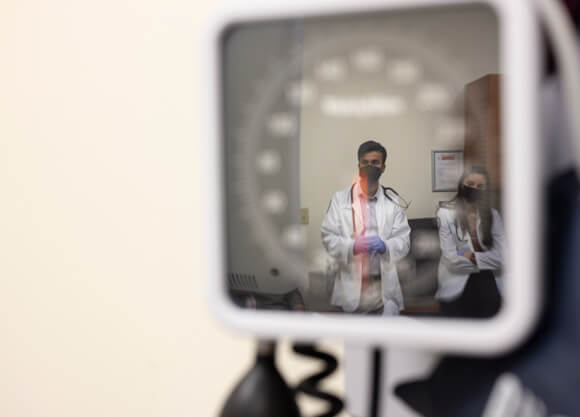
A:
x: 454, y: 270
x: 338, y: 239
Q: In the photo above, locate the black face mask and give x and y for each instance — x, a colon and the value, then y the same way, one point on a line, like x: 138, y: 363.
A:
x: 372, y: 174
x: 470, y: 194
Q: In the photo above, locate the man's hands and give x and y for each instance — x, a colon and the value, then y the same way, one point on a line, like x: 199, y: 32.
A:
x: 377, y: 245
x: 361, y: 245
x: 370, y: 244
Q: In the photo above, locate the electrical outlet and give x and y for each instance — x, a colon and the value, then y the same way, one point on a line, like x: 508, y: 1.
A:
x: 304, y: 217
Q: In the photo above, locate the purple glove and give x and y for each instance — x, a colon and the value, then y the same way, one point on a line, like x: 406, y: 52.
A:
x: 461, y: 252
x: 361, y: 245
x: 377, y: 245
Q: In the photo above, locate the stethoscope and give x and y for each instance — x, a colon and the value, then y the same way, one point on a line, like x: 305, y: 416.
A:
x: 461, y: 239
x: 456, y: 226
x: 386, y: 190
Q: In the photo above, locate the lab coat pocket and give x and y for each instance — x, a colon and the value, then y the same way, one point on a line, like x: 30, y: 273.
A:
x: 331, y: 272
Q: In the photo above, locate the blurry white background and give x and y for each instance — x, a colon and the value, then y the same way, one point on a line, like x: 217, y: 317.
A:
x: 102, y: 307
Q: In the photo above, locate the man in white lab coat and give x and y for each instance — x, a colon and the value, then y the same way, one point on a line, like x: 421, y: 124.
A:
x: 365, y: 231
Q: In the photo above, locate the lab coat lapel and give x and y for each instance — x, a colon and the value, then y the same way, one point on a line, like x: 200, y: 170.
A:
x: 384, y: 212
x: 479, y: 232
x: 347, y: 217
x: 359, y: 208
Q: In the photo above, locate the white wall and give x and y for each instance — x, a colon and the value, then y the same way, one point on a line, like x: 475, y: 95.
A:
x: 102, y: 307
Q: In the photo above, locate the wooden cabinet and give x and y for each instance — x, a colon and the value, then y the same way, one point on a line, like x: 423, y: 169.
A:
x: 483, y: 129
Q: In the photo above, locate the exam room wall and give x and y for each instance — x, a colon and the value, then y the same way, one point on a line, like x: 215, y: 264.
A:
x: 102, y: 306
x: 329, y: 144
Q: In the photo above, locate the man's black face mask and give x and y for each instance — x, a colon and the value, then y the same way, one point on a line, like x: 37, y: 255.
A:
x: 370, y: 173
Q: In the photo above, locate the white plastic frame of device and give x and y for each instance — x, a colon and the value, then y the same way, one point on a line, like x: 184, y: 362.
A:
x: 519, y: 60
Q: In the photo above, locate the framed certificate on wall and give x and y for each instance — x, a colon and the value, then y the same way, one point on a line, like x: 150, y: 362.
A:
x: 446, y: 168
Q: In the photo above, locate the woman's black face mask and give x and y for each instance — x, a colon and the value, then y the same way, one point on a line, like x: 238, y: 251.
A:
x: 371, y: 173
x: 470, y: 194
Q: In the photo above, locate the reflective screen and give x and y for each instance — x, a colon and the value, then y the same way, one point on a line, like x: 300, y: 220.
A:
x: 363, y: 163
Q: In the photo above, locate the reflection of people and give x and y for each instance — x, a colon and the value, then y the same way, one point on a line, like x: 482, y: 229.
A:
x: 472, y: 242
x: 365, y: 231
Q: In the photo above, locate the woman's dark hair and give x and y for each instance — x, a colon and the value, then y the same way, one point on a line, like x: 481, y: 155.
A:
x: 483, y: 206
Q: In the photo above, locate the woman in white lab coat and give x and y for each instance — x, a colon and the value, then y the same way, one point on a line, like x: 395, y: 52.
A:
x: 472, y: 243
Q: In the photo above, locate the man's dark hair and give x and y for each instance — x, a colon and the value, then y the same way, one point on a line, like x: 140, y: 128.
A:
x: 370, y: 146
